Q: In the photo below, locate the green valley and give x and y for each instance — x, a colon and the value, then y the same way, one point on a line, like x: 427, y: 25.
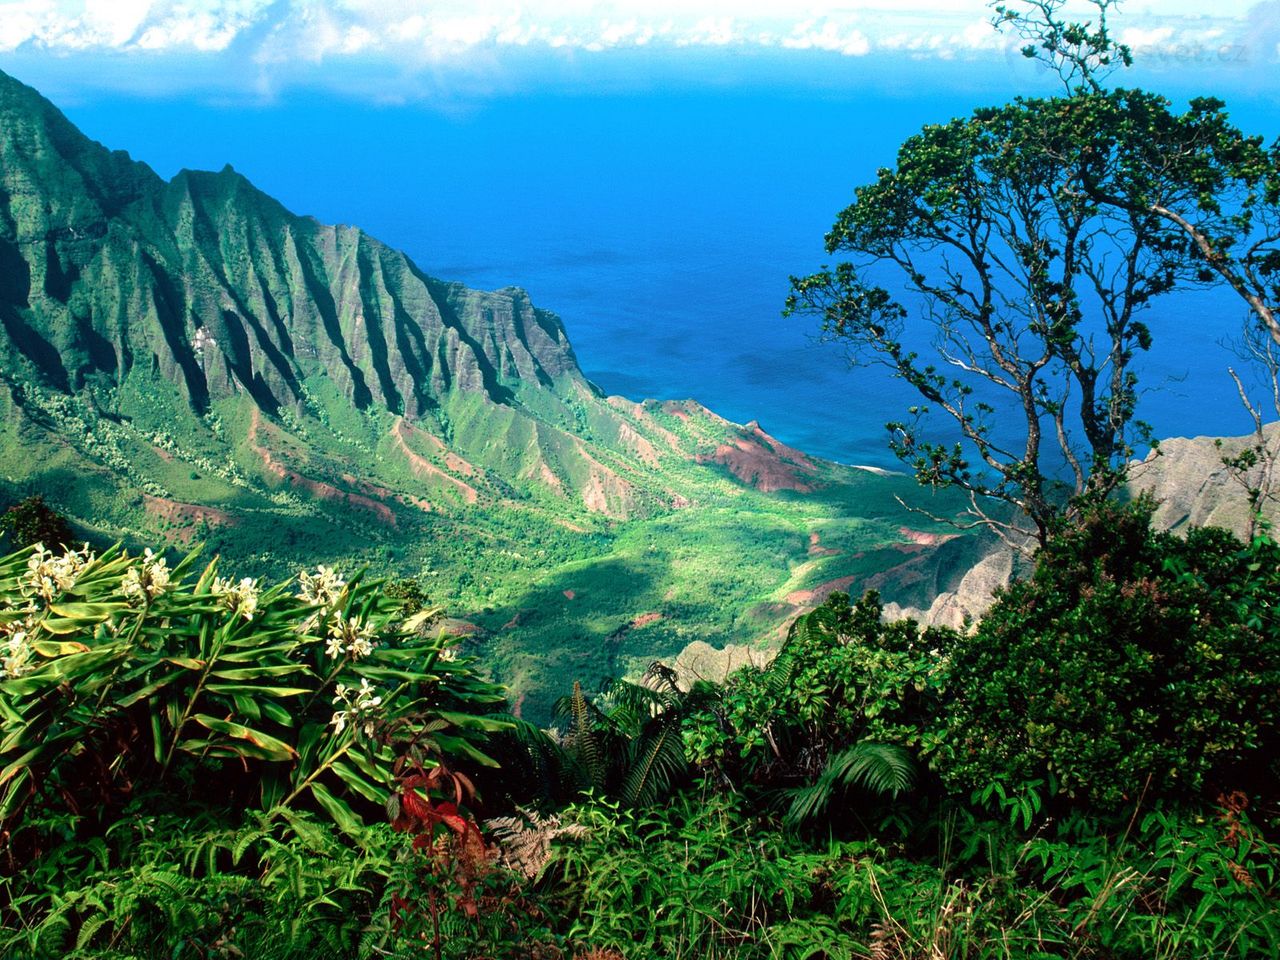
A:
x: 187, y: 362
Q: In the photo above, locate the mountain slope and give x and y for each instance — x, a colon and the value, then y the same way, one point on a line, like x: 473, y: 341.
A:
x: 189, y: 361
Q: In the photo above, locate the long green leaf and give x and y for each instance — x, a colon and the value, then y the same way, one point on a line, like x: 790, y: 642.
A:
x: 265, y: 746
x: 338, y: 810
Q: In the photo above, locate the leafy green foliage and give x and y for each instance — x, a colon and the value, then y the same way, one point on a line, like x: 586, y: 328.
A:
x: 1008, y: 226
x: 627, y: 743
x: 700, y: 878
x: 708, y: 876
x: 204, y: 884
x: 179, y: 678
x: 843, y: 678
x: 883, y: 768
x: 1132, y: 662
x: 136, y: 696
x: 1083, y: 54
x: 449, y: 895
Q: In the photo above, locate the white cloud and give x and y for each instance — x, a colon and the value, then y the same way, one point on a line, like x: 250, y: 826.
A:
x: 831, y: 35
x: 116, y: 22
x: 413, y: 34
x: 155, y: 25
x: 1135, y: 37
x: 21, y: 22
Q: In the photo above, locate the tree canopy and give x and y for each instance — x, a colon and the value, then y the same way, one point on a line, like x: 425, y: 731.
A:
x: 1004, y: 265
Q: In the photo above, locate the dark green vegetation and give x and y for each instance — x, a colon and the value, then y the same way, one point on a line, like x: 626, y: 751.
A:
x: 188, y: 362
x: 31, y: 520
x: 192, y: 770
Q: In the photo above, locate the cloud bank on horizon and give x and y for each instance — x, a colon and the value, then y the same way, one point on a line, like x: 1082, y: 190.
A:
x: 279, y: 41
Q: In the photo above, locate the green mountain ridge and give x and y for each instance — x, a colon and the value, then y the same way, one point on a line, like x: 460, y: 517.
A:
x: 188, y: 361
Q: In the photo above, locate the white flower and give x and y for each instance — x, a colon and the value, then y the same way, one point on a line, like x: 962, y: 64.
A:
x: 15, y: 649
x: 361, y: 645
x: 241, y: 598
x: 365, y: 700
x: 449, y: 654
x: 350, y: 636
x: 323, y: 588
x: 148, y: 580
x: 360, y: 712
x: 48, y: 575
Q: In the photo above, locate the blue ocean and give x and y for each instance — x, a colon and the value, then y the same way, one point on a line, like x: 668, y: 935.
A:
x: 661, y: 224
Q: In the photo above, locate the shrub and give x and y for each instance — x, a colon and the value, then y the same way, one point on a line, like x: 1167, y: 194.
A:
x: 843, y: 679
x: 132, y: 690
x: 1131, y: 661
x: 32, y: 521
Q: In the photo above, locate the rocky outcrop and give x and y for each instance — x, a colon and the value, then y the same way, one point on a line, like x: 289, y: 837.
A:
x: 1193, y: 487
x: 967, y: 598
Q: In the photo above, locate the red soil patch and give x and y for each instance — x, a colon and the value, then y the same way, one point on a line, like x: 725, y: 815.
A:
x: 645, y: 619
x: 185, y: 514
x: 162, y: 453
x: 763, y: 462
x: 421, y: 466
x: 176, y: 510
x: 451, y: 459
x: 318, y: 488
x: 453, y: 627
x: 675, y: 409
x: 817, y: 550
x: 926, y: 539
x: 605, y: 492
x: 819, y: 593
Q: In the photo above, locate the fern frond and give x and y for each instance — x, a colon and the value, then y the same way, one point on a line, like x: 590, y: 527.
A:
x: 880, y: 768
x: 658, y: 761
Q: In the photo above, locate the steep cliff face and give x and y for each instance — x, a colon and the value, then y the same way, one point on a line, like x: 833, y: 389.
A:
x: 1193, y: 487
x: 220, y: 290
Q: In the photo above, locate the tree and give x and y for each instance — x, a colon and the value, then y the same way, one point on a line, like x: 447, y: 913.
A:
x: 985, y: 268
x: 1082, y: 54
x: 33, y: 521
x: 1232, y: 218
x: 1218, y: 188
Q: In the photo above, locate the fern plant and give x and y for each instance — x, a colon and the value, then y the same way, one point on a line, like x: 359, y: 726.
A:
x: 885, y: 769
x: 627, y: 742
